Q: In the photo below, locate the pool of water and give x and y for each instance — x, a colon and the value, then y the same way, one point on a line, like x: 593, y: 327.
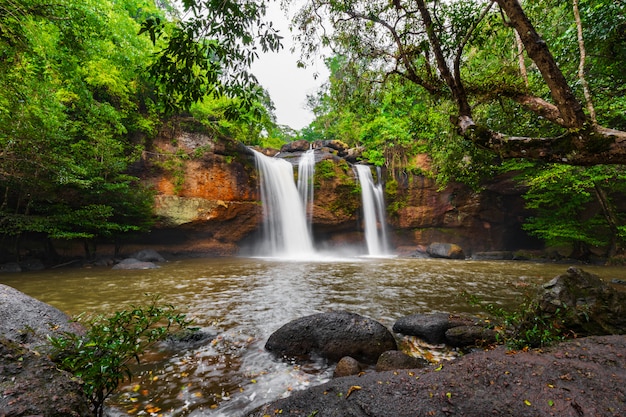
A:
x: 241, y: 301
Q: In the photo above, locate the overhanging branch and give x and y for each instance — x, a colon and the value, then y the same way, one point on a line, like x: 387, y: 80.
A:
x: 593, y: 145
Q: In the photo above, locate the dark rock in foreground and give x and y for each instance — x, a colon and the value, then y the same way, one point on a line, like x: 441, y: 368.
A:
x: 30, y: 384
x: 25, y: 320
x: 582, y: 377
x: 33, y: 386
x: 395, y: 359
x: 332, y: 336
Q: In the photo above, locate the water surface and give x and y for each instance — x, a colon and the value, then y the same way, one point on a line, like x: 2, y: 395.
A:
x: 243, y: 300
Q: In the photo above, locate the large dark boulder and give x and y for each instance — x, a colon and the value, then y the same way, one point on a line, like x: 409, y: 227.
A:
x: 588, y: 305
x: 582, y: 377
x: 332, y: 336
x: 31, y: 385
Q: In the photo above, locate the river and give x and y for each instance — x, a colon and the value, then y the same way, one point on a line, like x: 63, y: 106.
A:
x: 241, y: 301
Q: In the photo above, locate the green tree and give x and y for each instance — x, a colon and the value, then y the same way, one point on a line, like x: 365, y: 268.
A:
x: 72, y: 113
x: 442, y: 46
x: 576, y: 206
x: 209, y: 51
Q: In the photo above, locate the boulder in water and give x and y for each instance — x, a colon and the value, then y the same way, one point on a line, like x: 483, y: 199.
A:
x: 430, y: 327
x: 148, y: 255
x: 133, y: 263
x: 445, y: 250
x: 332, y: 336
x: 347, y: 366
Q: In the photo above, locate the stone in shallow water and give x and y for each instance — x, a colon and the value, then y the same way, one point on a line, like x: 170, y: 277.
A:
x: 332, y: 336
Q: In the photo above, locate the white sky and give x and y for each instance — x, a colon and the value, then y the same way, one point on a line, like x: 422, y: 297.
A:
x: 287, y: 84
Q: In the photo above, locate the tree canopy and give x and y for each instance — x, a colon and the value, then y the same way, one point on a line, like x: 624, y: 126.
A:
x: 78, y: 106
x: 480, y: 53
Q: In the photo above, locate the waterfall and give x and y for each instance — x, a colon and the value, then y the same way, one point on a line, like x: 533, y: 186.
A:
x: 373, y: 212
x: 285, y: 226
x: 306, y: 170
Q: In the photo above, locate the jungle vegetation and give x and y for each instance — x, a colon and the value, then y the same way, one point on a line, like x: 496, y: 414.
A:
x: 482, y: 87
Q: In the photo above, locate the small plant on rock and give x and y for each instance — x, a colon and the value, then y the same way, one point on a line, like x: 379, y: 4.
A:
x: 525, y: 326
x: 101, y: 357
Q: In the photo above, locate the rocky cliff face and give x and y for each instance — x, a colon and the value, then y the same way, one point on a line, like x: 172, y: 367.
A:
x: 208, y: 200
x: 489, y: 220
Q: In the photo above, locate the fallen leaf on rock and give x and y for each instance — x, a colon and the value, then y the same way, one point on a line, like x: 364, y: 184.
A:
x: 352, y: 389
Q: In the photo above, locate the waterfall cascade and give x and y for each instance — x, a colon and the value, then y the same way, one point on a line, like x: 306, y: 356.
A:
x: 373, y: 212
x: 306, y: 171
x: 286, y: 231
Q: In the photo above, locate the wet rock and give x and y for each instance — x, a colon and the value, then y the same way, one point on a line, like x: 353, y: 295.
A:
x: 493, y: 256
x: 395, y: 359
x: 347, y: 366
x: 466, y: 336
x: 33, y: 386
x: 10, y: 267
x: 588, y: 305
x: 583, y: 377
x: 336, y: 145
x: 133, y: 263
x: 148, y: 255
x: 332, y: 336
x: 445, y: 250
x: 28, y: 321
x: 30, y: 383
x: 296, y: 146
x: 430, y: 327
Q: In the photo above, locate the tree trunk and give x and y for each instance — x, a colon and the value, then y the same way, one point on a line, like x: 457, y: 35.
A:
x: 581, y: 65
x: 571, y: 111
x: 454, y: 84
x: 520, y: 58
x: 610, y: 217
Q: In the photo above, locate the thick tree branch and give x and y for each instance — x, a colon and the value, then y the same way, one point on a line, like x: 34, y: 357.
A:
x: 593, y: 145
x: 570, y: 108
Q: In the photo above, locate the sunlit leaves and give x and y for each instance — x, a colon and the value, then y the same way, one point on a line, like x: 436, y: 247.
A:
x: 69, y: 101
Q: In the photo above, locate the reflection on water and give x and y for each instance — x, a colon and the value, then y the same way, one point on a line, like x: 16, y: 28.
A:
x: 243, y: 300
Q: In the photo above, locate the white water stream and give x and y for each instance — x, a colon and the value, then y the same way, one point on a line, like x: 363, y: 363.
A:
x: 286, y: 230
x: 373, y: 212
x: 306, y: 171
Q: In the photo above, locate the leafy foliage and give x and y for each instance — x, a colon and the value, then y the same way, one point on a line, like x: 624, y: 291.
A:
x: 69, y: 117
x: 575, y: 205
x: 525, y: 326
x: 210, y: 51
x: 101, y: 357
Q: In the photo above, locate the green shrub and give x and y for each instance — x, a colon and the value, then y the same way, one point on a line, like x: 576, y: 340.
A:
x: 525, y: 326
x: 101, y: 356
